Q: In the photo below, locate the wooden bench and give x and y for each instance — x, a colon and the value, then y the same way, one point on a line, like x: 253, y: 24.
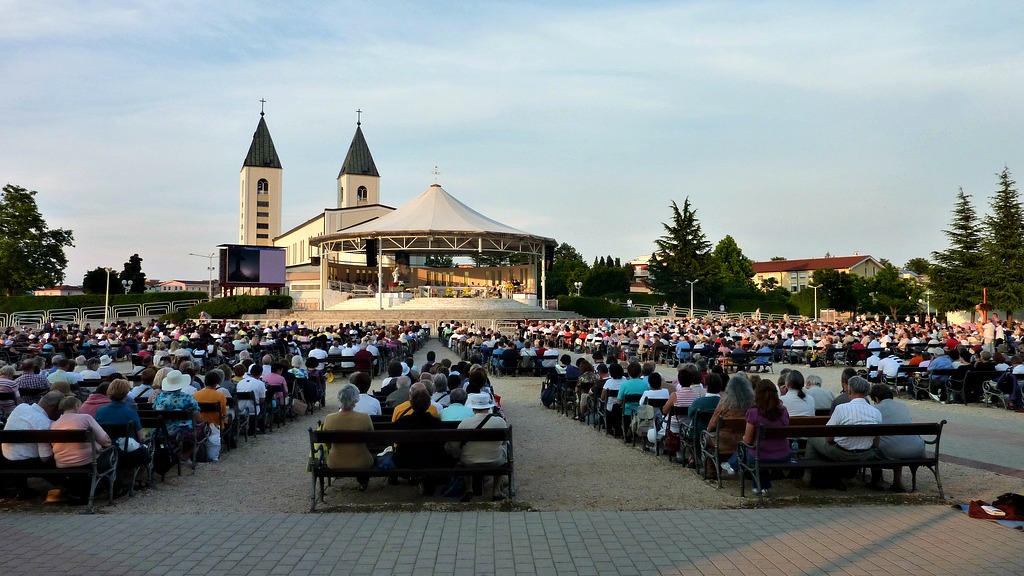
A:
x: 821, y: 431
x: 321, y: 473
x: 744, y: 362
x: 969, y: 385
x: 738, y: 425
x: 334, y: 362
x: 64, y: 437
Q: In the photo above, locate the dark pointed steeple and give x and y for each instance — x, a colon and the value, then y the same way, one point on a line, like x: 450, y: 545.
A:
x: 358, y: 160
x: 262, y: 152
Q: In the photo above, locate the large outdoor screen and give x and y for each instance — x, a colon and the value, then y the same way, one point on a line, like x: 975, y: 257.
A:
x: 252, y: 265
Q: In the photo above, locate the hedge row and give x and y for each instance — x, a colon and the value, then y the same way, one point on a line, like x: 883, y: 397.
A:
x: 27, y: 303
x: 236, y: 306
x: 592, y: 307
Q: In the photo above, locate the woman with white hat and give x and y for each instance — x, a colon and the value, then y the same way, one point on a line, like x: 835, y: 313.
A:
x: 483, y: 453
x: 171, y: 397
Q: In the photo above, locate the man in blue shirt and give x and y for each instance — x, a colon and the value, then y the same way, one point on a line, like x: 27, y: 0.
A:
x: 937, y: 383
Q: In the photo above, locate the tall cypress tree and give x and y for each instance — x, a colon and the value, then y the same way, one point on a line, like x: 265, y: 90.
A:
x: 682, y: 254
x: 957, y: 277
x: 1003, y: 239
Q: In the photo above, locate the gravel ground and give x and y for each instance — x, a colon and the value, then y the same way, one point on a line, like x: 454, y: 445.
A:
x: 560, y: 465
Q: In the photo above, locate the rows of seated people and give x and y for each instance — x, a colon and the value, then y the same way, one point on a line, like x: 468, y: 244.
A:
x: 609, y: 392
x: 436, y: 395
x: 176, y: 377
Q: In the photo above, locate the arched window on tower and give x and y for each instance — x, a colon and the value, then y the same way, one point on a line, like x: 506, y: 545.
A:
x: 361, y: 194
x: 263, y: 187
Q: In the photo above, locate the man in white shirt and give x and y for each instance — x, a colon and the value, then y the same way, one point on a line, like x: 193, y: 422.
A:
x: 320, y: 354
x: 846, y: 448
x: 822, y: 398
x: 252, y: 383
x: 348, y: 351
x: 37, y: 416
x: 367, y: 404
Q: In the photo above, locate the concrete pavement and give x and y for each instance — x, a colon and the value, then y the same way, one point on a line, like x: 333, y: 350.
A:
x: 864, y: 540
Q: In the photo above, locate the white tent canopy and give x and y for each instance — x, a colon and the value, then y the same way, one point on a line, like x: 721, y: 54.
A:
x: 435, y: 221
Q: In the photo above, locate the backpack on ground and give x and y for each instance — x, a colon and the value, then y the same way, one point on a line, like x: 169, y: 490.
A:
x: 644, y: 418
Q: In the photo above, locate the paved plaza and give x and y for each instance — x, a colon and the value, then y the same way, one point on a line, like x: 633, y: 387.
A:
x: 867, y: 540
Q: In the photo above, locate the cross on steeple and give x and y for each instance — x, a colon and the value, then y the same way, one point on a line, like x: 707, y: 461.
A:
x: 359, y: 117
x: 262, y: 102
x: 436, y: 173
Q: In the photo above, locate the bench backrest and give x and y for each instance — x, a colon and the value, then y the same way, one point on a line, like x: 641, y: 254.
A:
x: 821, y: 431
x: 45, y: 436
x: 740, y: 424
x: 409, y: 436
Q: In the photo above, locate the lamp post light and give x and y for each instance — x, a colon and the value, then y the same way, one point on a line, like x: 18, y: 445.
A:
x: 815, y: 300
x: 209, y: 267
x: 579, y: 286
x: 692, y: 282
x: 127, y: 285
x: 106, y: 297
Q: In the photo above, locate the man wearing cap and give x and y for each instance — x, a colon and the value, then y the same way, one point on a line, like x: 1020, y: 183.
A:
x: 31, y: 417
x: 490, y: 453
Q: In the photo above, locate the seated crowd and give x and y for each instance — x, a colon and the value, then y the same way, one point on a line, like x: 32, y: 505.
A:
x: 421, y: 398
x: 173, y: 369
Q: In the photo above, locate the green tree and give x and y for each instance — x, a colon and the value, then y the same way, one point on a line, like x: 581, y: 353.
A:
x: 893, y: 293
x: 604, y: 280
x: 95, y: 282
x: 567, y: 268
x: 31, y: 254
x: 1003, y: 240
x: 682, y: 254
x: 837, y: 287
x: 918, y: 266
x: 732, y: 267
x: 133, y: 271
x: 958, y: 269
x: 439, y: 261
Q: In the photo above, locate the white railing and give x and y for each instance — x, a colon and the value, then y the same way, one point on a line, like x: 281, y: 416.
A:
x: 35, y: 318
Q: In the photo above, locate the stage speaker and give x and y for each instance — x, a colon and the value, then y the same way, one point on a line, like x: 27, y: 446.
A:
x: 549, y: 257
x: 371, y: 253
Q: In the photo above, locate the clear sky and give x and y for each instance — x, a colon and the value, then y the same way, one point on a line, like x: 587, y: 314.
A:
x: 799, y: 128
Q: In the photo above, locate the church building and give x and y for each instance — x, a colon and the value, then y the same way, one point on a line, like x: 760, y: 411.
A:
x: 358, y: 201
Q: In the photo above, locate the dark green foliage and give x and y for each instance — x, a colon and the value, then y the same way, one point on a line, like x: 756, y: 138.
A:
x: 133, y: 271
x: 731, y: 267
x: 837, y: 289
x: 94, y: 280
x: 918, y: 266
x: 1003, y: 241
x: 568, y: 267
x: 29, y: 303
x: 592, y: 307
x: 236, y: 306
x: 31, y: 254
x: 682, y: 254
x: 893, y: 294
x: 956, y: 276
x: 603, y: 280
x: 440, y: 261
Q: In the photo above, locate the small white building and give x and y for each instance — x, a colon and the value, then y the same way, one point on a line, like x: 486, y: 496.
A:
x: 62, y: 290
x: 186, y: 286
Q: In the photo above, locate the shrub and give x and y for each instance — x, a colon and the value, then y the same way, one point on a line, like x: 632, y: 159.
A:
x: 26, y: 303
x: 236, y: 306
x: 593, y: 307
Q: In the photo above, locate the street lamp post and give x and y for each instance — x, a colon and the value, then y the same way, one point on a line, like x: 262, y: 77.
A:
x: 127, y: 284
x: 579, y: 286
x: 106, y: 297
x: 209, y: 268
x: 692, y: 282
x: 815, y: 300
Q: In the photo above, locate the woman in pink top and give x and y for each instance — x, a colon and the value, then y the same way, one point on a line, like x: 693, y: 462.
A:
x: 69, y: 455
x: 72, y: 455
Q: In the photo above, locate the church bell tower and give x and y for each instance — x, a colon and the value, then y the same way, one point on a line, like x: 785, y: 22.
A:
x: 358, y: 181
x: 260, y: 186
